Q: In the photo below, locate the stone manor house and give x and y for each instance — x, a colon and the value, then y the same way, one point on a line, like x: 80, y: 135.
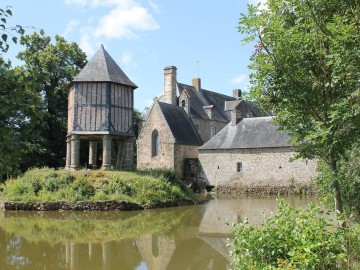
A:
x: 222, y: 140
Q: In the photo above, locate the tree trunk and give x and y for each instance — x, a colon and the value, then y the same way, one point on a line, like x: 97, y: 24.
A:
x: 336, y: 187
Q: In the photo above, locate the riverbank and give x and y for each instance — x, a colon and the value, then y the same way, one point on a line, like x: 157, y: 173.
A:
x: 49, y: 189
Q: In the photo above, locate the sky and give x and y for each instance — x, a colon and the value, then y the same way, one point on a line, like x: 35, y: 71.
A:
x: 199, y: 37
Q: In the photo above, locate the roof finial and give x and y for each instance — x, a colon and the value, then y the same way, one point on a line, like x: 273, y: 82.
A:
x: 102, y: 46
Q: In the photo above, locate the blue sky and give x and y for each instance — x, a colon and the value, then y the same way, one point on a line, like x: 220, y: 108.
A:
x: 144, y: 36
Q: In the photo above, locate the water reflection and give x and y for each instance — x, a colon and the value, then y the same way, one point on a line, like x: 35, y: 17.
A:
x: 174, y: 238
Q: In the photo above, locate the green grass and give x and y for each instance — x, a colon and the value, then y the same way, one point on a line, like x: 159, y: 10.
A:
x: 45, y: 184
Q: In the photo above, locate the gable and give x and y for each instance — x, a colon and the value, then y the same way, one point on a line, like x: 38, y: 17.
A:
x: 180, y: 124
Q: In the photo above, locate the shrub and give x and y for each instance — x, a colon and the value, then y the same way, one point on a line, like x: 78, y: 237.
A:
x: 83, y: 189
x: 291, y: 239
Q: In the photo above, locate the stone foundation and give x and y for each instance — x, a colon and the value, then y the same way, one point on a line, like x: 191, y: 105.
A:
x: 89, y: 206
x: 266, y: 190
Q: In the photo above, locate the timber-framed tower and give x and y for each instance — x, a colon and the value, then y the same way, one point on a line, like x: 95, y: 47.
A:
x: 100, y: 111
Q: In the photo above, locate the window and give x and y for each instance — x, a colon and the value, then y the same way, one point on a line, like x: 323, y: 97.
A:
x: 155, y: 143
x: 183, y: 103
x: 239, y: 167
x: 212, y: 131
x: 197, y: 127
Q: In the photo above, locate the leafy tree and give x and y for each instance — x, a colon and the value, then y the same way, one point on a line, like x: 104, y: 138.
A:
x: 20, y: 117
x: 51, y: 67
x: 306, y: 71
x: 7, y: 31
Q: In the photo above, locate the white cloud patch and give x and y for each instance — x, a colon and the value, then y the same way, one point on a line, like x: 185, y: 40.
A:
x: 242, y: 81
x: 126, y: 23
x: 71, y: 26
x: 263, y: 3
x: 154, y: 6
x: 124, y: 19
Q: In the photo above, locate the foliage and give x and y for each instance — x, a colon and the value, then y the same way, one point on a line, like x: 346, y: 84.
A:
x: 140, y: 187
x: 292, y: 239
x: 50, y: 67
x: 21, y: 115
x: 306, y: 69
x: 349, y: 179
x: 7, y: 31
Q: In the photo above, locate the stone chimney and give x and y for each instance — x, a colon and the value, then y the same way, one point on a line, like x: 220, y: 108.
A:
x: 235, y: 117
x: 170, y: 85
x: 196, y: 82
x: 237, y: 94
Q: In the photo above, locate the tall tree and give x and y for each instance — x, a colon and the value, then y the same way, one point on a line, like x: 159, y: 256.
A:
x: 306, y: 71
x: 51, y: 67
x: 21, y: 114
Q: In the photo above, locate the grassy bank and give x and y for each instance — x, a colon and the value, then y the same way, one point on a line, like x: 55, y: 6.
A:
x: 53, y: 185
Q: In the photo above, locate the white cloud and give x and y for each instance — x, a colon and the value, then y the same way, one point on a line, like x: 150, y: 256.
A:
x: 154, y: 6
x: 71, y: 26
x: 126, y: 23
x: 242, y: 81
x: 125, y: 19
x: 86, y: 42
x: 263, y: 3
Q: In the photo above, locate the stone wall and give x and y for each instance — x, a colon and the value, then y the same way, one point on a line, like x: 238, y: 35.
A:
x: 181, y: 153
x: 113, y: 205
x: 205, y: 127
x: 265, y: 170
x: 165, y: 159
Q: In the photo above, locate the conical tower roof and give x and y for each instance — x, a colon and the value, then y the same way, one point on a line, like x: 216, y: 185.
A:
x: 102, y: 68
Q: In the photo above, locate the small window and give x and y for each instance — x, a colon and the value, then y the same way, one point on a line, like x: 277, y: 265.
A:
x: 239, y: 167
x: 197, y: 127
x: 155, y: 143
x: 183, y: 103
x: 212, y: 131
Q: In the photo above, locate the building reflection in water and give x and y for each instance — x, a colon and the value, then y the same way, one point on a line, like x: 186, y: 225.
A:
x: 175, y: 238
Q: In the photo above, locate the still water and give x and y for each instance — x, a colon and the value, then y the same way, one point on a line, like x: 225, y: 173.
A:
x: 193, y: 237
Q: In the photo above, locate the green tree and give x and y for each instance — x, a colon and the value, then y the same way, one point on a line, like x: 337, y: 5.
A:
x: 21, y: 113
x: 306, y: 71
x: 8, y: 31
x: 51, y: 67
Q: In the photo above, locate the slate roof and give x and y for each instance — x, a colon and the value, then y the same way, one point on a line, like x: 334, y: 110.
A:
x: 256, y: 132
x: 199, y: 99
x: 102, y: 68
x: 180, y: 124
x: 231, y: 105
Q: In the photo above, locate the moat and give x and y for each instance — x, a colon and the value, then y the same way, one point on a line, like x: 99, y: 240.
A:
x: 188, y: 237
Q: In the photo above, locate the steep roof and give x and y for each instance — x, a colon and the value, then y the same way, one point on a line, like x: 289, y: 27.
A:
x: 256, y: 132
x: 199, y: 99
x: 102, y: 68
x: 180, y: 124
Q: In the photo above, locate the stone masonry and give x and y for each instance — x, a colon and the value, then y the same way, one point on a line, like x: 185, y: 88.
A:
x: 267, y: 168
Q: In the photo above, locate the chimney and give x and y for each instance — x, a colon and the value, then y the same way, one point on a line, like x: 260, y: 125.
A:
x: 237, y: 94
x: 170, y: 85
x: 236, y: 117
x: 196, y: 82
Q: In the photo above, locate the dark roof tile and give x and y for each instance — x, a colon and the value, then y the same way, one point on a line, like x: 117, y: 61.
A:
x: 180, y: 124
x: 257, y: 132
x: 102, y: 68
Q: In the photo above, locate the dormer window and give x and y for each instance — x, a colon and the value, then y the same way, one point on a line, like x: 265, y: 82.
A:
x: 209, y: 110
x: 183, y: 102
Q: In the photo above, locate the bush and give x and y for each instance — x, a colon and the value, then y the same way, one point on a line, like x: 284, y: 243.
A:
x: 291, y: 239
x: 83, y: 189
x: 49, y: 185
x: 348, y: 176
